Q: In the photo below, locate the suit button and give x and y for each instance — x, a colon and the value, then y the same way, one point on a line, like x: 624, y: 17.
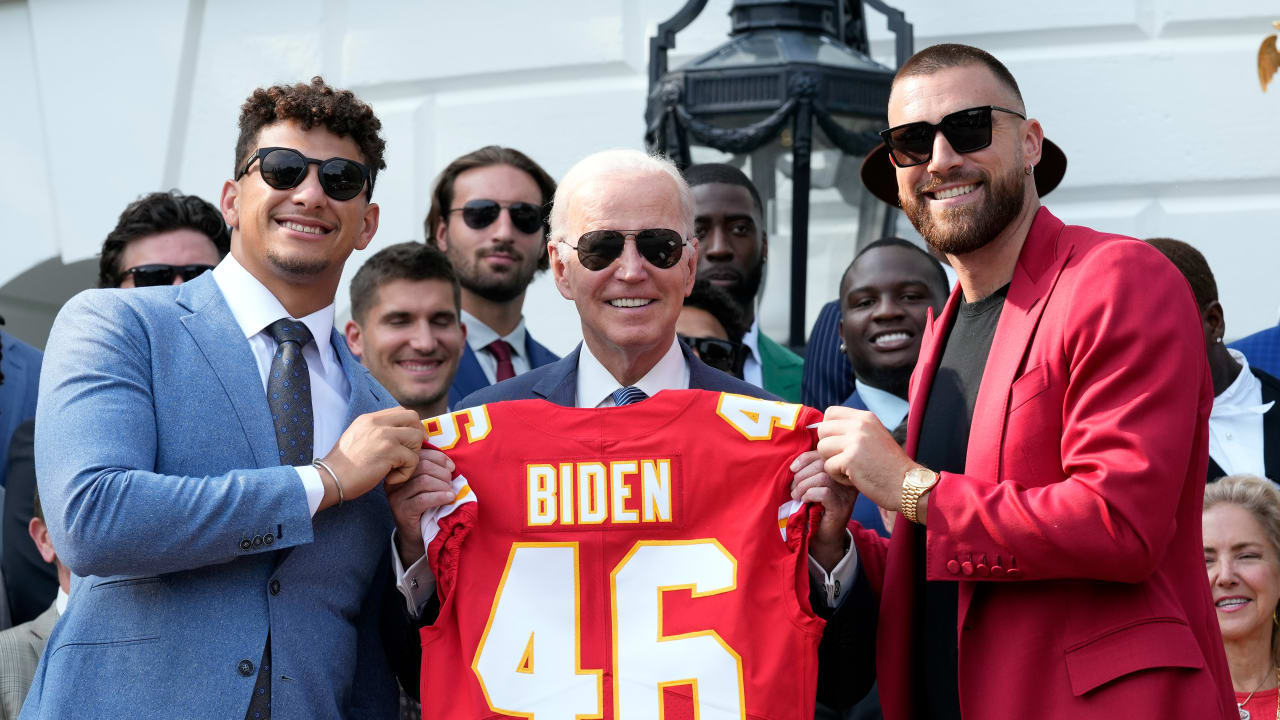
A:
x: 246, y: 544
x: 257, y: 541
x: 966, y: 567
x: 268, y: 538
x: 953, y: 567
x: 983, y: 570
x: 997, y: 571
x: 275, y: 587
x: 245, y: 668
x: 1014, y: 573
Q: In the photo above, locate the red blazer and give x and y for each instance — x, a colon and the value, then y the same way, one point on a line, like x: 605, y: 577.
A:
x: 1075, y: 531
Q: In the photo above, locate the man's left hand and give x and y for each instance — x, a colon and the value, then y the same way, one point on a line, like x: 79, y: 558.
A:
x: 859, y: 451
x: 811, y: 484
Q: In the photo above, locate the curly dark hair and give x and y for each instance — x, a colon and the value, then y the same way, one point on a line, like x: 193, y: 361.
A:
x: 317, y: 104
x: 410, y: 260
x: 442, y: 195
x: 717, y: 301
x: 156, y: 213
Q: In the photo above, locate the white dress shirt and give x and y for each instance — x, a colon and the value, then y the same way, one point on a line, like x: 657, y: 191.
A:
x: 752, y: 371
x: 480, y: 335
x: 595, y: 386
x: 254, y: 308
x: 1235, y: 424
x: 888, y: 408
x: 60, y: 601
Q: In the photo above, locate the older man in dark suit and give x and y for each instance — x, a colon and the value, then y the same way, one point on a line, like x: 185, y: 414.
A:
x: 623, y: 250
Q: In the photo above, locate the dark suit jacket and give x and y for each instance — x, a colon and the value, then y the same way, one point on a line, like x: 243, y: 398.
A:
x: 30, y: 582
x: 1270, y: 429
x: 471, y: 377
x: 828, y: 375
x: 21, y: 367
x: 1262, y: 349
x: 847, y: 654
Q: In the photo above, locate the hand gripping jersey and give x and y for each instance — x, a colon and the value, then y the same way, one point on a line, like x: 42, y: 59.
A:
x: 644, y: 561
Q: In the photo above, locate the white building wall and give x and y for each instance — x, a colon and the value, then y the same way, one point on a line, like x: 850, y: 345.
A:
x: 1156, y: 103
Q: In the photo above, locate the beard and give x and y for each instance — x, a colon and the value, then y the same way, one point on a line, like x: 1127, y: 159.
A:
x: 962, y: 230
x: 745, y: 290
x: 498, y: 287
x: 296, y: 266
x: 894, y: 380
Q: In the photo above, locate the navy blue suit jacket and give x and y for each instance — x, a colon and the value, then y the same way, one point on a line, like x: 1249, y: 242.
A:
x: 558, y: 383
x: 865, y: 511
x: 21, y: 368
x: 1262, y: 349
x: 471, y: 377
x: 828, y: 376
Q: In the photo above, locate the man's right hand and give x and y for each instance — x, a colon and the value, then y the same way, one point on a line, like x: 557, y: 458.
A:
x: 377, y: 445
x: 430, y: 488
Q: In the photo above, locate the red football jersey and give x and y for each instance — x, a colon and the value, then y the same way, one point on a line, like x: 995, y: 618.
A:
x: 643, y: 561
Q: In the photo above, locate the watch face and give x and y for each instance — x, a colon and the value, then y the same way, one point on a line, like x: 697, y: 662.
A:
x: 921, y: 478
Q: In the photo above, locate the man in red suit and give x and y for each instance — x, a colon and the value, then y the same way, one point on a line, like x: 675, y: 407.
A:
x: 1047, y: 560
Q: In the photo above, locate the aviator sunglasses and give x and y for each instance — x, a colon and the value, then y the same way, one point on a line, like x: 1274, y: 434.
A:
x: 966, y: 131
x: 598, y: 249
x: 286, y: 168
x: 480, y: 214
x: 152, y: 275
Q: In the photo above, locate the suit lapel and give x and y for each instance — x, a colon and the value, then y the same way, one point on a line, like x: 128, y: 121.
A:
x: 215, y: 332
x: 1270, y: 424
x: 931, y: 345
x: 366, y: 394
x: 1043, y: 255
x: 470, y: 376
x: 560, y: 385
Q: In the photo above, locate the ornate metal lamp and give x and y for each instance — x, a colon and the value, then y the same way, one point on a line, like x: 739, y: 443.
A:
x: 788, y: 65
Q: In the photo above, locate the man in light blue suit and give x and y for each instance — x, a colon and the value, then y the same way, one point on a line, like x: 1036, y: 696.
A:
x: 219, y: 572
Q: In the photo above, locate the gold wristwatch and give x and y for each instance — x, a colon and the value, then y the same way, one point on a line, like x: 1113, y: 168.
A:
x: 915, y: 484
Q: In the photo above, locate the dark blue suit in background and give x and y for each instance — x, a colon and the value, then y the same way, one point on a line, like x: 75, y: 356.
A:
x: 1262, y: 350
x: 21, y: 367
x: 471, y: 377
x: 828, y: 376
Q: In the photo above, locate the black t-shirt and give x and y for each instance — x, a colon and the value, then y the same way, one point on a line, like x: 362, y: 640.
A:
x: 944, y: 442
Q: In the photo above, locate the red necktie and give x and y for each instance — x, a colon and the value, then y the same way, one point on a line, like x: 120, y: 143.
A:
x: 502, y: 351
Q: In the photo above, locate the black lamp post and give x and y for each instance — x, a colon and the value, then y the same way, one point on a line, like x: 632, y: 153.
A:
x: 788, y: 64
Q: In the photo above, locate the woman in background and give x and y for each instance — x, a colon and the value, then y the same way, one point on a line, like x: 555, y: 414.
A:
x: 1242, y: 555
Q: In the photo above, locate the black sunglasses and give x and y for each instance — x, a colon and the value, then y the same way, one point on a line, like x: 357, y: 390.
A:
x: 152, y: 275
x: 966, y: 130
x: 598, y: 249
x: 479, y: 214
x: 285, y: 168
x: 719, y: 354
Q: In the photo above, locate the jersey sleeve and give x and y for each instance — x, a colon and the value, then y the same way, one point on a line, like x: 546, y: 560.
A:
x: 444, y: 530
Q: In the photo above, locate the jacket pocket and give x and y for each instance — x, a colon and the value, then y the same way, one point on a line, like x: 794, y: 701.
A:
x: 1030, y: 384
x: 1150, y: 643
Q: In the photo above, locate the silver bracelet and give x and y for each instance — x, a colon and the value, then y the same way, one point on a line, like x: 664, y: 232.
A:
x: 325, y: 466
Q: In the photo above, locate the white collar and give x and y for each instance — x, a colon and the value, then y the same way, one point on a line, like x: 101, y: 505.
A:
x: 752, y: 339
x: 1243, y: 394
x: 480, y: 335
x: 60, y: 602
x: 254, y: 307
x: 596, y: 383
x: 886, y: 406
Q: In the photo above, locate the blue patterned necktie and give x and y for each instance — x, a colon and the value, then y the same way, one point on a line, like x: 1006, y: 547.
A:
x: 289, y: 399
x: 289, y: 392
x: 628, y: 395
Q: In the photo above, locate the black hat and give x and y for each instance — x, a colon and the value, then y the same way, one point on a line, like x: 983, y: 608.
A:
x: 879, y: 177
